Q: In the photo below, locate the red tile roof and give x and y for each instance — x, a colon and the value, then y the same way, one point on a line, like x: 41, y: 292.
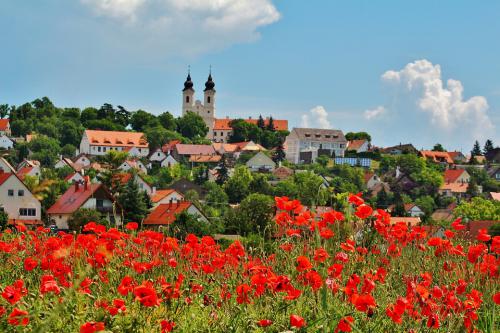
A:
x: 204, y: 158
x: 355, y: 144
x: 165, y: 213
x: 451, y: 176
x: 437, y: 156
x: 455, y: 187
x: 73, y: 199
x: 24, y: 171
x: 4, y: 123
x: 170, y: 146
x: 413, y: 221
x: 224, y: 123
x: 187, y: 149
x: 160, y: 194
x: 4, y: 176
x: 116, y: 138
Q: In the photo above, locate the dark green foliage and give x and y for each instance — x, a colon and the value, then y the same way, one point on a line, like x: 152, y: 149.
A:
x: 186, y: 223
x: 4, y: 219
x: 476, y: 150
x: 254, y: 214
x: 438, y: 147
x: 131, y: 200
x: 83, y: 216
x: 45, y: 149
x: 168, y: 121
x: 488, y: 146
x: 192, y: 126
x: 358, y: 136
x: 222, y: 171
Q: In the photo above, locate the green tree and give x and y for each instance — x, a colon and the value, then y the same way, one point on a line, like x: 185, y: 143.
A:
x: 244, y: 131
x: 158, y: 136
x: 237, y: 187
x: 427, y: 204
x: 4, y: 219
x: 192, y: 126
x: 382, y: 199
x: 87, y: 115
x: 478, y: 209
x: 115, y: 158
x: 141, y: 119
x: 122, y: 116
x: 4, y: 111
x: 254, y: 215
x: 186, y: 223
x: 279, y: 154
x: 104, y: 125
x: 259, y: 184
x: 131, y: 200
x: 222, y: 171
x: 488, y: 146
x: 70, y: 133
x: 476, y: 150
x: 45, y: 149
x: 358, y: 136
x: 270, y: 125
x: 168, y: 121
x: 68, y: 150
x: 438, y: 147
x: 83, y: 216
x: 260, y: 123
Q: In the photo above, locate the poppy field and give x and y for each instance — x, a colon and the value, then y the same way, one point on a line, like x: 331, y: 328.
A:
x: 345, y: 271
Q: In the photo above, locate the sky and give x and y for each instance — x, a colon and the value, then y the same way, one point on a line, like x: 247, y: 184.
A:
x: 421, y: 71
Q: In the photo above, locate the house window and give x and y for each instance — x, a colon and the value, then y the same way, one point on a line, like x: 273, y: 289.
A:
x: 27, y: 211
x: 99, y: 203
x: 158, y: 154
x: 187, y: 99
x: 104, y: 149
x: 221, y: 133
x: 99, y: 149
x: 20, y: 193
x: 208, y: 99
x: 10, y: 193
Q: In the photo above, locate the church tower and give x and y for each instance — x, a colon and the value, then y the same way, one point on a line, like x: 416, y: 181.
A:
x: 188, y: 95
x: 209, y: 92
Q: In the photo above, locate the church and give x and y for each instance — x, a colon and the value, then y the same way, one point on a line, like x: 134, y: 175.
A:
x: 219, y: 130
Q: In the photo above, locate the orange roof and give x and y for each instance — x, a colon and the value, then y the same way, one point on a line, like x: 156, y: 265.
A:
x: 451, y: 176
x: 224, y: 124
x: 437, y: 156
x: 4, y: 123
x: 249, y: 146
x: 160, y: 194
x: 73, y: 199
x: 204, y: 158
x: 455, y: 187
x: 355, y: 144
x: 495, y: 196
x: 413, y: 221
x: 165, y: 213
x: 227, y: 147
x: 116, y: 138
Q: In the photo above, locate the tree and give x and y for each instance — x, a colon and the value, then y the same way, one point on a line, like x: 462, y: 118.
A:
x: 260, y: 122
x: 254, y: 215
x: 168, y: 121
x: 192, y: 126
x: 45, y: 149
x: 476, y: 150
x: 279, y: 154
x: 270, y: 125
x: 358, y: 136
x: 115, y: 158
x: 382, y: 199
x: 438, y: 147
x: 427, y: 204
x: 472, y: 189
x: 186, y: 223
x: 259, y: 184
x: 4, y: 219
x: 310, y: 188
x: 140, y: 119
x: 132, y: 202
x: 222, y: 171
x: 106, y: 111
x: 158, y: 136
x: 70, y: 133
x: 104, y: 125
x: 122, y: 116
x: 244, y: 131
x: 478, y: 209
x: 68, y: 150
x: 237, y: 187
x: 488, y: 146
x: 4, y: 110
x: 83, y: 216
x: 87, y: 115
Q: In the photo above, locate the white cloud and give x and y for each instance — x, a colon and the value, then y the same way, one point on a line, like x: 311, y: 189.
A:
x: 375, y: 113
x: 318, y: 118
x: 184, y: 27
x: 421, y: 81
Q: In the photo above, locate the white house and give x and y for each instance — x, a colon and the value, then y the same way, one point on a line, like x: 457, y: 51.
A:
x: 304, y: 145
x: 6, y: 142
x: 100, y: 142
x: 372, y: 180
x: 261, y: 162
x: 63, y: 162
x: 17, y: 201
x: 5, y: 127
x: 359, y: 146
x: 84, y: 195
x: 82, y: 160
x: 143, y: 185
x: 157, y: 156
x: 166, y: 196
x: 168, y: 162
x: 133, y: 164
x: 32, y: 171
x: 74, y: 178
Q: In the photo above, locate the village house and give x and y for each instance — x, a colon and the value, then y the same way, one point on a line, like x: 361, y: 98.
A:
x: 400, y: 149
x: 283, y: 172
x: 456, y: 176
x: 157, y: 156
x: 409, y: 221
x: 5, y: 127
x: 82, y: 160
x: 133, y: 165
x: 17, y: 201
x: 165, y: 214
x: 166, y: 196
x: 6, y: 142
x: 494, y: 196
x: 358, y: 146
x: 371, y: 180
x: 64, y: 162
x: 126, y: 177
x: 32, y: 171
x: 187, y: 150
x: 304, y: 145
x: 494, y: 172
x: 84, y: 195
x: 493, y: 156
x: 96, y: 143
x: 74, y: 177
x: 457, y: 190
x: 261, y: 163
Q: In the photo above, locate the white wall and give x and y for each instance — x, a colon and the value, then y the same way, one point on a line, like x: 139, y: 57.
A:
x: 11, y: 204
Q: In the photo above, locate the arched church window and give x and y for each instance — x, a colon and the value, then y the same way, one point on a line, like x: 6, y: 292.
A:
x: 208, y: 99
x: 187, y: 99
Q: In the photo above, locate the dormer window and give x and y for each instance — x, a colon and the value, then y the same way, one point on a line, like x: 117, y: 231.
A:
x: 318, y: 135
x: 328, y: 136
x: 307, y: 135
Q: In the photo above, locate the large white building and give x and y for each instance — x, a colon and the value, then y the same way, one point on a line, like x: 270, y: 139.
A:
x: 304, y: 145
x: 219, y: 130
x: 100, y: 142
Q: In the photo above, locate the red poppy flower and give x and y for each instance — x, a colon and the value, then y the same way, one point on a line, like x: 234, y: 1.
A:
x: 30, y: 264
x: 344, y: 324
x: 132, y: 226
x: 18, y: 318
x: 363, y: 211
x: 92, y: 327
x: 483, y: 235
x: 243, y: 290
x: 146, y: 294
x: 264, y: 323
x: 320, y: 255
x: 297, y: 321
x: 303, y: 264
x: 496, y: 298
x: 167, y: 326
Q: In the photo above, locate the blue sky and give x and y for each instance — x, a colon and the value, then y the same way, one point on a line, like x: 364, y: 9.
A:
x: 379, y: 66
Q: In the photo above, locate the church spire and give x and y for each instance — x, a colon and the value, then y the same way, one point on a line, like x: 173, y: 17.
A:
x: 210, y: 84
x: 188, y: 84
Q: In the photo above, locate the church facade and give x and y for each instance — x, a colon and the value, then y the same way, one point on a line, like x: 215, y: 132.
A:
x: 219, y: 130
